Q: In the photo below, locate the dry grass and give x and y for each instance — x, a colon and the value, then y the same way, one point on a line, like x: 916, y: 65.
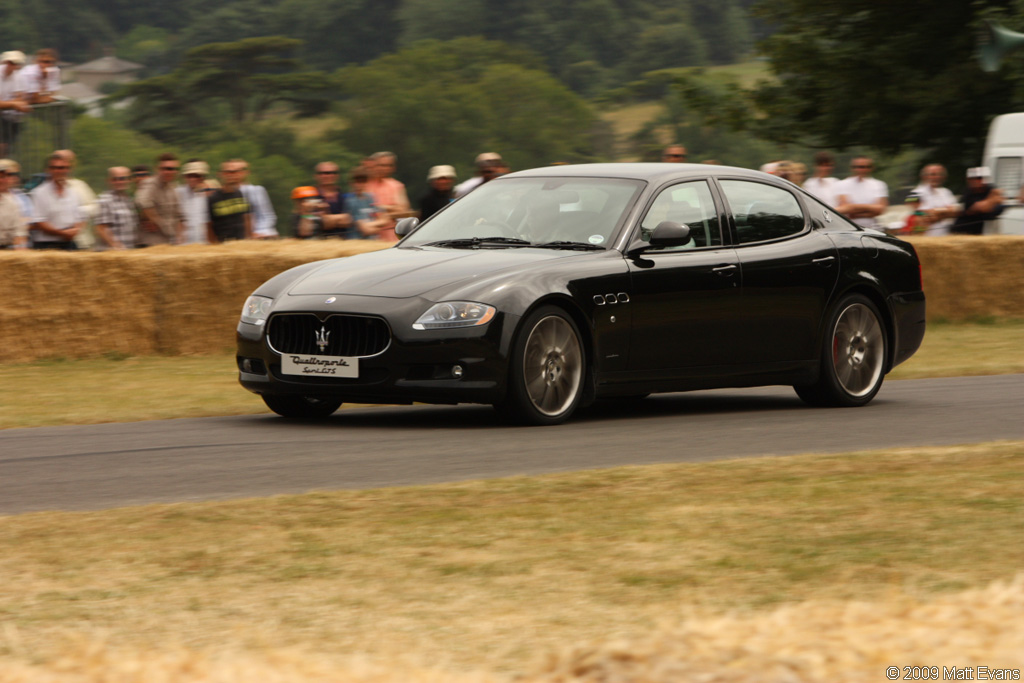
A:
x: 490, y: 575
x: 823, y: 642
x: 959, y: 350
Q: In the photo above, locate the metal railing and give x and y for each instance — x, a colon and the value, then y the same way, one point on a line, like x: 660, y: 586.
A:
x: 45, y: 129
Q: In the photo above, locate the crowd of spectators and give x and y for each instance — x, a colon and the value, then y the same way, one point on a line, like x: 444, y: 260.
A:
x: 934, y: 209
x: 142, y: 208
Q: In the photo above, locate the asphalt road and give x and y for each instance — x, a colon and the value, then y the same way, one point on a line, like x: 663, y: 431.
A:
x: 113, y: 465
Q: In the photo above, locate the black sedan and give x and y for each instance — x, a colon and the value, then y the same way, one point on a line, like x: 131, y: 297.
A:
x: 544, y: 290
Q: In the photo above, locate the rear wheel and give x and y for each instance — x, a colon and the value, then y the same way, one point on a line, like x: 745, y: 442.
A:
x: 852, y: 356
x: 546, y: 370
x: 310, y: 407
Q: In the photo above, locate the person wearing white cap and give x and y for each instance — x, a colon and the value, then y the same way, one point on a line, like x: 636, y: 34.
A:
x: 982, y: 202
x: 440, y: 195
x: 13, y: 99
x: 13, y: 226
x: 487, y: 168
x: 192, y: 197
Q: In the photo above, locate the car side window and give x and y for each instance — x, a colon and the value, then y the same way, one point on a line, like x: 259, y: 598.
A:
x: 762, y: 212
x: 689, y: 204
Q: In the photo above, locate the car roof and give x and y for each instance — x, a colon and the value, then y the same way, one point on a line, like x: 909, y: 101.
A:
x: 651, y: 172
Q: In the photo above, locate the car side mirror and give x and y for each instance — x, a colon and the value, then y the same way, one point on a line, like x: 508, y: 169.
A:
x: 670, y: 234
x: 406, y: 225
x: 666, y: 234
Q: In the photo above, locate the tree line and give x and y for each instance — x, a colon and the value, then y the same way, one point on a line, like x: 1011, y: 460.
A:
x: 589, y: 44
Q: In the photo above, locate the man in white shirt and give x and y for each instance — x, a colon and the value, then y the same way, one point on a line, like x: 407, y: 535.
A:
x: 860, y: 197
x: 13, y: 99
x: 42, y: 79
x: 13, y: 227
x: 822, y: 185
x: 58, y: 216
x: 264, y: 220
x: 193, y: 199
x: 486, y: 169
x: 938, y: 203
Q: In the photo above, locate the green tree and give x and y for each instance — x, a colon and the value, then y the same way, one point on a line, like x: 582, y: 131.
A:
x: 443, y: 102
x: 248, y: 76
x: 845, y: 78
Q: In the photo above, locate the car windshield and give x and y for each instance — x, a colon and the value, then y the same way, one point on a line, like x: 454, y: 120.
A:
x: 552, y: 212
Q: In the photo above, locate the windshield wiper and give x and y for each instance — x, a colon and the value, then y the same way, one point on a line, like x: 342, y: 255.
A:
x: 479, y: 241
x: 567, y: 244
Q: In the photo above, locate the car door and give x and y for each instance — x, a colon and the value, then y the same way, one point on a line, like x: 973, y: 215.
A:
x: 684, y: 299
x: 789, y: 271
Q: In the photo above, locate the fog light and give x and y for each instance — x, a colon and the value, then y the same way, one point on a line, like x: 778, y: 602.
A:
x: 457, y: 371
x: 247, y: 365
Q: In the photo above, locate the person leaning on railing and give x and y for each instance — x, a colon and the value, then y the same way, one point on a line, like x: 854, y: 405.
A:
x: 13, y: 100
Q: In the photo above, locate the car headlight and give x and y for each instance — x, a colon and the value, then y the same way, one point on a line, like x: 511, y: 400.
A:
x: 454, y: 314
x: 256, y: 310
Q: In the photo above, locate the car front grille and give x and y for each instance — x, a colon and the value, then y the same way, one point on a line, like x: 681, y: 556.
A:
x: 346, y: 335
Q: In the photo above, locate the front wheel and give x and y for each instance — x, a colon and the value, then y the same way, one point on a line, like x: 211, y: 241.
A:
x: 546, y: 369
x: 309, y: 407
x: 852, y: 356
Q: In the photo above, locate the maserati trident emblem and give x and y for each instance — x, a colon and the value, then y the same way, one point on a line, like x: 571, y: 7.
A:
x: 321, y: 338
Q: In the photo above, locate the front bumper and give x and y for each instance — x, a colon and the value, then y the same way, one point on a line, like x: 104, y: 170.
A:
x: 417, y: 366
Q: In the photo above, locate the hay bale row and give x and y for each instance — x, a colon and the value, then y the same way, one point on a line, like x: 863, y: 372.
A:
x: 186, y: 300
x: 970, y: 277
x: 162, y: 300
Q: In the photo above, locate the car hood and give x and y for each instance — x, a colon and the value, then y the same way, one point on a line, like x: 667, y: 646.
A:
x: 400, y: 273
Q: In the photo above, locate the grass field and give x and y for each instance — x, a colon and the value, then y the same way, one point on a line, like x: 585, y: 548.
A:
x: 489, y: 574
x: 813, y: 568
x: 152, y: 388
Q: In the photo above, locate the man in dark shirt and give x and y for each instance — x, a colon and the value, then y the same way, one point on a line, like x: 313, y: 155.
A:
x: 230, y: 213
x: 441, y: 193
x: 981, y: 202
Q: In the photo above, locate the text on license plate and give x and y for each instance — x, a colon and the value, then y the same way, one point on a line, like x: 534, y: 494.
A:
x: 319, y: 366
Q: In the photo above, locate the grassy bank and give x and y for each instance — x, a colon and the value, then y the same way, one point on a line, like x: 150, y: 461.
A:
x: 490, y: 574
x: 122, y: 389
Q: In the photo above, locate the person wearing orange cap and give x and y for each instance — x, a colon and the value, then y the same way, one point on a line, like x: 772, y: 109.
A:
x: 308, y: 209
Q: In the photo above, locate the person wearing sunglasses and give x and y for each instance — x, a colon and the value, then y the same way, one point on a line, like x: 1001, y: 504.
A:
x: 674, y: 154
x: 117, y: 224
x: 860, y: 197
x: 58, y: 211
x: 163, y: 221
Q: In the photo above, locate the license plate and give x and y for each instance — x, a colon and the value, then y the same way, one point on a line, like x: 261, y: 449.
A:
x: 319, y: 366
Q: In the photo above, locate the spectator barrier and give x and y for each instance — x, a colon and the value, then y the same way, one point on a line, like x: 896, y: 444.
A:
x: 187, y: 299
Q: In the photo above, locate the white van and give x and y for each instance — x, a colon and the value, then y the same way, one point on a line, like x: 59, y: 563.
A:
x: 1004, y: 156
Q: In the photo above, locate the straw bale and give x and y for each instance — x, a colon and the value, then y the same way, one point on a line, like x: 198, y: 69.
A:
x: 168, y: 300
x: 186, y: 300
x: 811, y: 642
x: 972, y: 277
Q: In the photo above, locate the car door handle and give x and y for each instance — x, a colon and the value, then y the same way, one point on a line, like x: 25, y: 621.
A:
x: 824, y: 261
x: 725, y: 271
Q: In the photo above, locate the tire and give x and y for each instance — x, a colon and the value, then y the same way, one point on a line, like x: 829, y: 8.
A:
x: 303, y: 407
x: 547, y: 369
x: 853, y: 356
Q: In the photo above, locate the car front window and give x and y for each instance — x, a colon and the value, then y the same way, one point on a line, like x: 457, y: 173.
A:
x: 535, y: 210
